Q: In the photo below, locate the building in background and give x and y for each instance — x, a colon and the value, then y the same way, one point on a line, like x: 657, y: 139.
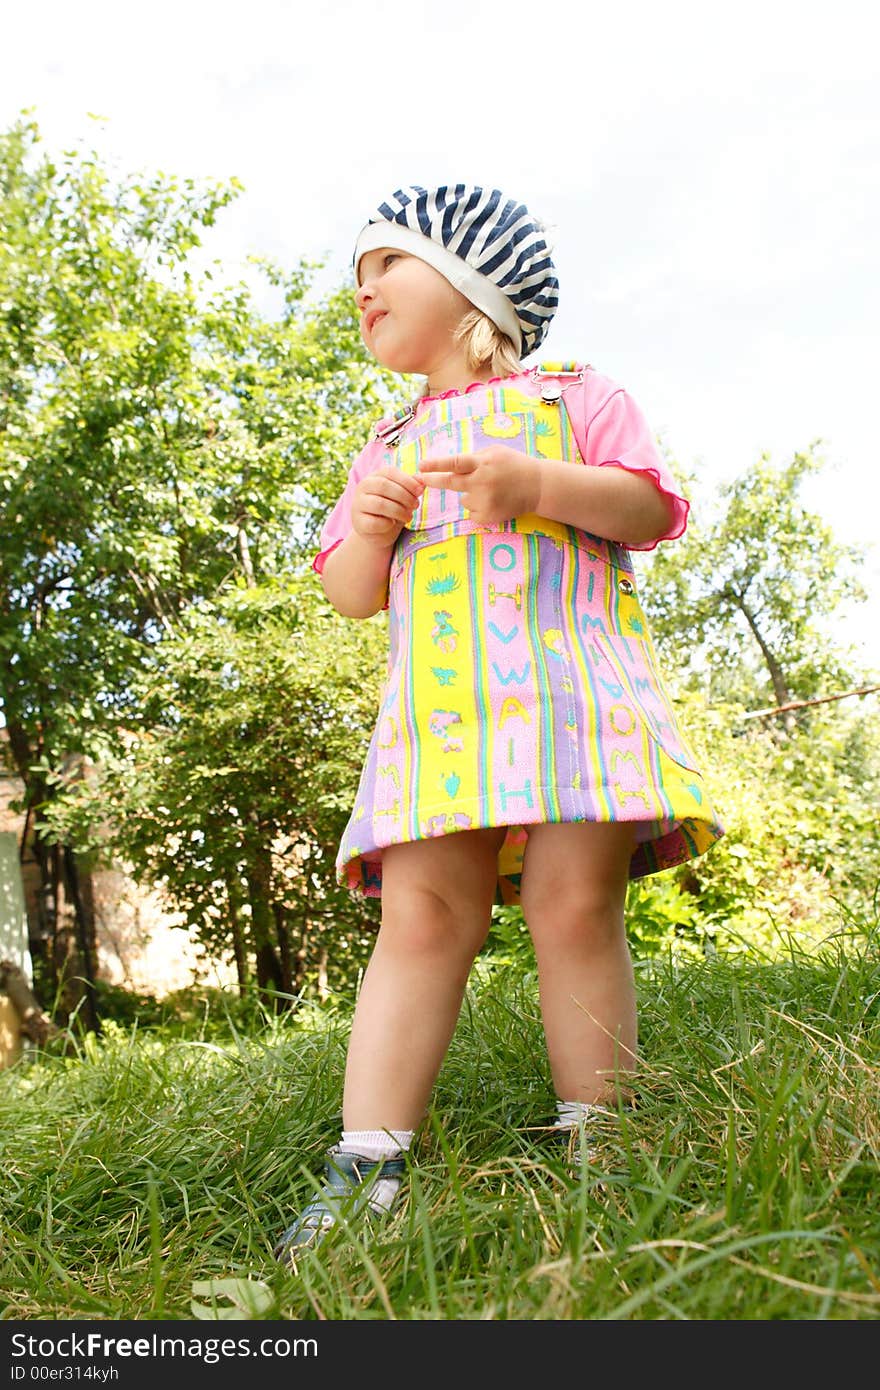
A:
x: 138, y: 941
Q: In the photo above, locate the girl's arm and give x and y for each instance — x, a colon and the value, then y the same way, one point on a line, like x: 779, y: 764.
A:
x: 355, y: 576
x: 499, y: 483
x: 609, y: 501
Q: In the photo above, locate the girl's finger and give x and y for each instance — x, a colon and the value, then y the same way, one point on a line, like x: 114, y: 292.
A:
x: 449, y: 481
x: 389, y: 509
x: 459, y: 464
x: 409, y: 481
x: 399, y: 490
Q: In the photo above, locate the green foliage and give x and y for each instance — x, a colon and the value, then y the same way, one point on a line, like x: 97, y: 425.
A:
x: 196, y: 1011
x: 123, y: 1005
x: 101, y: 502
x: 742, y: 603
x: 802, y: 837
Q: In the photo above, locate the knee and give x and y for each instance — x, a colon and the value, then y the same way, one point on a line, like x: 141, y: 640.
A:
x: 585, y: 917
x: 427, y: 924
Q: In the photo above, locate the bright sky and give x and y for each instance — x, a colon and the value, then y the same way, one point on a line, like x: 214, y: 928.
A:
x: 710, y: 174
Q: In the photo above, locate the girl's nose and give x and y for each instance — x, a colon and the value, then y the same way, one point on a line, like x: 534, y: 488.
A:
x: 363, y: 295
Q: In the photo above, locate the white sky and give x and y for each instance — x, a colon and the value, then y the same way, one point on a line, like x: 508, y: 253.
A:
x: 711, y: 173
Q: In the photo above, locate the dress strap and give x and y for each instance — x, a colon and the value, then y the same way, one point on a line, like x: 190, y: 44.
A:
x: 388, y: 430
x: 555, y: 376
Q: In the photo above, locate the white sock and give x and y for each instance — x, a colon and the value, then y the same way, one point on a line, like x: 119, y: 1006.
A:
x: 571, y: 1113
x: 378, y: 1144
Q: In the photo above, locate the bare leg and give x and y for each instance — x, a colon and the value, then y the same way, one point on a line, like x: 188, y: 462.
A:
x: 436, y: 910
x: 573, y: 895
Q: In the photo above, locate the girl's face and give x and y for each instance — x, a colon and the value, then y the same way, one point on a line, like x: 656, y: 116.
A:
x: 409, y: 314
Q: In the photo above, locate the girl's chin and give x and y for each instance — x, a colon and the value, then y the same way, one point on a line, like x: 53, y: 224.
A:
x: 399, y: 362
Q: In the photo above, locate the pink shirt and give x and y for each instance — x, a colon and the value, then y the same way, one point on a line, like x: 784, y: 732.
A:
x: 610, y: 430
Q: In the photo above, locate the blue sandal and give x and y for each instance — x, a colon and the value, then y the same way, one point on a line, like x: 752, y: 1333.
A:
x: 348, y: 1180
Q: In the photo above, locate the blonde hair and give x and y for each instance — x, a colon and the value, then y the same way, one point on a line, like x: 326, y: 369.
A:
x: 486, y: 346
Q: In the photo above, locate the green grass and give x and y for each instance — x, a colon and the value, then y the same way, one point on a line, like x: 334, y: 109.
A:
x: 744, y: 1185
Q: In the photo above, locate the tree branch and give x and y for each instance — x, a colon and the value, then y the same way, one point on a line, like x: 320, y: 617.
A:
x: 802, y: 704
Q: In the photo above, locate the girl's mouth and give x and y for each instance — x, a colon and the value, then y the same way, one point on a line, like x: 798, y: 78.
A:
x: 373, y: 318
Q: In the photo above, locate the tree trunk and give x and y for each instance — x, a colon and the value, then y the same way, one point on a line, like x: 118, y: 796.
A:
x: 780, y: 686
x: 270, y: 977
x: 302, y: 954
x: 85, y: 939
x: 323, y: 986
x: 284, y: 951
x: 65, y: 952
x: 238, y: 943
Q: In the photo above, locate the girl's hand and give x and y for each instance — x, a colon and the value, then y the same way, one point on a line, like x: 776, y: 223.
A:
x: 383, y: 504
x: 496, y: 483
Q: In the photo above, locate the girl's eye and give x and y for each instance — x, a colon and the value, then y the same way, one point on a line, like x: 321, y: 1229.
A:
x: 393, y: 256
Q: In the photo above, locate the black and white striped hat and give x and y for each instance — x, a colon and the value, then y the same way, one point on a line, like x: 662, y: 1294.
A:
x: 487, y: 245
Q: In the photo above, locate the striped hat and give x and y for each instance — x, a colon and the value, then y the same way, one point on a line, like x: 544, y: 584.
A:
x: 487, y: 245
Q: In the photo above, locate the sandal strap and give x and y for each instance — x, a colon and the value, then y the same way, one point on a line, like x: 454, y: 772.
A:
x: 354, y: 1169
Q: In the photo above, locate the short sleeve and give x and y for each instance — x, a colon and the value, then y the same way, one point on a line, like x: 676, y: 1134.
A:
x: 338, y: 523
x: 618, y: 434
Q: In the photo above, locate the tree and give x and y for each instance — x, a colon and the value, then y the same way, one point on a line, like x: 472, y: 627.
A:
x: 744, y: 594
x: 159, y: 439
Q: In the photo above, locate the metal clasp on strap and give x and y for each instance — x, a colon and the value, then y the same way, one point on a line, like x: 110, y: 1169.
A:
x: 389, y: 430
x: 553, y: 375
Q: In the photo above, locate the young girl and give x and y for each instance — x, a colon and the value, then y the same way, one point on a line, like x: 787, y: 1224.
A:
x: 525, y: 749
